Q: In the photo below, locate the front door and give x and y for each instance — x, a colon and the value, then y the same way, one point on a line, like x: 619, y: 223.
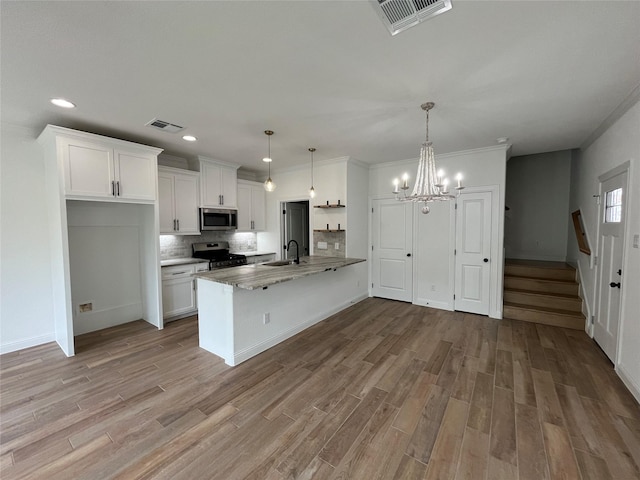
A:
x: 392, y: 234
x: 473, y: 252
x: 610, y: 276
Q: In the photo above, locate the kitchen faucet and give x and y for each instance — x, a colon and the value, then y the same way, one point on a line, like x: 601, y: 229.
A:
x: 297, y: 260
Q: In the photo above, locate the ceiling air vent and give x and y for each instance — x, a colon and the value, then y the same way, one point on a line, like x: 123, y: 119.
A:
x: 398, y: 15
x: 164, y: 126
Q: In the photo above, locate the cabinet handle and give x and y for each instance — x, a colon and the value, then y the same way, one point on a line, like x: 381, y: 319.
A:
x: 179, y: 273
x: 113, y: 188
x: 252, y: 225
x: 219, y: 199
x: 222, y: 200
x: 178, y: 223
x: 118, y: 187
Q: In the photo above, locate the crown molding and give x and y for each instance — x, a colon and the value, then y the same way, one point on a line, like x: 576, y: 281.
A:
x: 506, y: 148
x: 618, y: 112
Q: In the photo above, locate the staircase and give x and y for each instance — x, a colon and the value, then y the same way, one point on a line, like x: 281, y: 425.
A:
x: 542, y: 292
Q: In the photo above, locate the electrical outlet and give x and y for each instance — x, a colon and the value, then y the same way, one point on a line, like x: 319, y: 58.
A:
x: 85, y: 307
x: 266, y: 318
x: 322, y: 245
x: 336, y: 245
x: 433, y: 288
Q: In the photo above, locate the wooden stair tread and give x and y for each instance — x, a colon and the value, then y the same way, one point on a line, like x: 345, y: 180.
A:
x: 555, y: 311
x: 541, y: 279
x: 538, y: 264
x: 545, y: 294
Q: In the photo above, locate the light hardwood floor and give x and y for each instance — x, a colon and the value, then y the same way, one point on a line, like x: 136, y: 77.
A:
x: 381, y: 390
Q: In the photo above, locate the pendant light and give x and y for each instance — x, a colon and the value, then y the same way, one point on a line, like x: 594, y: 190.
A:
x: 269, y: 185
x: 312, y: 191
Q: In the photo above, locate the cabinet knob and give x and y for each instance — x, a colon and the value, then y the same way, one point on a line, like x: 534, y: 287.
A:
x: 408, y: 254
x: 485, y: 260
x: 614, y: 285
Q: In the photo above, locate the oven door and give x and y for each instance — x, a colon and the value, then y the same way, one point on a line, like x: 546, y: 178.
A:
x: 218, y: 219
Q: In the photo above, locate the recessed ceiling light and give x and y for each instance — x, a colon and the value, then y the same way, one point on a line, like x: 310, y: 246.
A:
x: 189, y: 138
x: 61, y: 102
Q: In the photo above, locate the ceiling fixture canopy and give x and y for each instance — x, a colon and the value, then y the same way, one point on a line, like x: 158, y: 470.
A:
x: 312, y: 191
x: 269, y: 185
x: 431, y: 185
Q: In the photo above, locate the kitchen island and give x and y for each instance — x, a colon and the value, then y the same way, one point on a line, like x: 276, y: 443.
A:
x: 243, y: 311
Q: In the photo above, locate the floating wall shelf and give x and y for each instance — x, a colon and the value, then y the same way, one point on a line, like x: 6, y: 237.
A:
x: 329, y: 231
x: 329, y: 206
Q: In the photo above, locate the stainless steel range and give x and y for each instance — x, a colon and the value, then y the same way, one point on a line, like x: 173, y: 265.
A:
x: 218, y: 255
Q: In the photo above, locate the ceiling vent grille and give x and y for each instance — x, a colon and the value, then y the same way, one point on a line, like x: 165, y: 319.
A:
x: 398, y: 15
x: 164, y: 126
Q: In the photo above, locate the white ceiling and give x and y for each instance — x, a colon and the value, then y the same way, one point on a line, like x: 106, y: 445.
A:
x: 325, y: 74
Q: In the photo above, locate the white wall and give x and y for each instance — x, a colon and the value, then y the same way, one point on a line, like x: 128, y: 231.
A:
x: 106, y: 241
x: 434, y: 232
x: 330, y: 183
x: 538, y: 199
x: 357, y: 210
x: 26, y: 300
x: 617, y: 145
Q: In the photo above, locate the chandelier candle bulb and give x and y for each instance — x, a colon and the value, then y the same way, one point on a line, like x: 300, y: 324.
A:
x: 405, y: 181
x: 445, y: 185
x: 459, y: 180
x: 396, y: 185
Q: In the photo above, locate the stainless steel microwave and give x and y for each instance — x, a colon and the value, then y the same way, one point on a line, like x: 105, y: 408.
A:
x: 218, y: 219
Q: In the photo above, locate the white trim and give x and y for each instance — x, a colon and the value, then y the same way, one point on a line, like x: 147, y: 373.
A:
x: 218, y: 162
x: 320, y: 163
x: 247, y: 353
x: 585, y: 302
x: 27, y: 343
x: 472, y: 151
x: 617, y: 113
x: 633, y: 387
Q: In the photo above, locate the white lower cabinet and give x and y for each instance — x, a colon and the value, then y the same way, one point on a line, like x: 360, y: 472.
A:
x: 179, y: 297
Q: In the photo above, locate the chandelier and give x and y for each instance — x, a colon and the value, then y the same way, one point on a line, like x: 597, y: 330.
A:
x: 431, y: 185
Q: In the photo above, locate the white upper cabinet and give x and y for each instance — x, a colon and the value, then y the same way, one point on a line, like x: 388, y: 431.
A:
x: 178, y: 201
x: 102, y: 168
x: 218, y: 184
x: 251, y: 206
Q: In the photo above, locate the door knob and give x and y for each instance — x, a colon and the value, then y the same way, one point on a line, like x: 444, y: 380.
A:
x: 408, y: 254
x: 485, y: 260
x: 614, y: 285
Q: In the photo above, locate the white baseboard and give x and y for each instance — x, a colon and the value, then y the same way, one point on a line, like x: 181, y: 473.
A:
x: 27, y: 343
x: 253, y: 350
x: 633, y: 387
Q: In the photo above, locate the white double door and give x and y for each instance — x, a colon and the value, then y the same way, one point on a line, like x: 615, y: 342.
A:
x: 393, y: 257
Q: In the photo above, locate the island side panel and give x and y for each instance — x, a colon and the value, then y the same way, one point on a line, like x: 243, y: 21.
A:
x: 215, y: 319
x: 292, y: 306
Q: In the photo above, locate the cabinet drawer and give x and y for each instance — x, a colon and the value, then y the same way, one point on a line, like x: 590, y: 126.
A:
x: 178, y: 271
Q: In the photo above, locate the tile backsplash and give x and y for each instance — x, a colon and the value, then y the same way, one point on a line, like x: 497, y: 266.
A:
x: 330, y: 238
x: 179, y: 246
